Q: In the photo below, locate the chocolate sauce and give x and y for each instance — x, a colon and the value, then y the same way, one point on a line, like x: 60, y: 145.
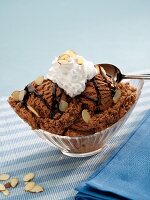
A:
x: 97, y: 91
x: 61, y: 93
x: 30, y: 90
x: 97, y: 111
x: 113, y: 90
x: 112, y: 87
x: 55, y: 103
x: 84, y: 106
x: 109, y: 75
x: 95, y: 101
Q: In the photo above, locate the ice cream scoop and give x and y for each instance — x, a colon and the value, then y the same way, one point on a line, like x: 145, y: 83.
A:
x: 116, y: 74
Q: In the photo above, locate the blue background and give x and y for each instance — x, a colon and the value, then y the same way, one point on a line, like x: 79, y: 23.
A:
x: 33, y: 32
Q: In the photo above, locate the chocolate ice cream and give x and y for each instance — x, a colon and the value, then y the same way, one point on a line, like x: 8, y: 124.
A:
x: 89, y: 103
x: 44, y: 105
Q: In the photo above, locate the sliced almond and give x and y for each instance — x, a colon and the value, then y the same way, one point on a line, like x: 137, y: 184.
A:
x: 14, y: 182
x: 39, y: 80
x: 117, y: 95
x: 71, y: 53
x: 32, y: 110
x: 103, y: 72
x: 15, y: 95
x: 97, y: 68
x: 2, y: 187
x: 29, y: 176
x: 37, y: 188
x: 63, y: 105
x: 4, y: 177
x: 6, y: 192
x: 86, y: 115
x: 64, y: 58
x: 80, y: 61
x: 21, y: 95
x: 29, y: 186
x: 7, y: 185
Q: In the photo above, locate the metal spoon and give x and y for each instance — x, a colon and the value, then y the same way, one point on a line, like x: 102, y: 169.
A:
x: 118, y: 76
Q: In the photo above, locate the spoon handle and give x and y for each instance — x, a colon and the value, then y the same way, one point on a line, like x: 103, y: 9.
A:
x: 140, y: 76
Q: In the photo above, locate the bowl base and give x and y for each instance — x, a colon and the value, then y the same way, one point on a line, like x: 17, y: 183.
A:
x: 81, y: 154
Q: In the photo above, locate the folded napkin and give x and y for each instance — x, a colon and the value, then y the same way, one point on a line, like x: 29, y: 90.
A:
x: 127, y: 174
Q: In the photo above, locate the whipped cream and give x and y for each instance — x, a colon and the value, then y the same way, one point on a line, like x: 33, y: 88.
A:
x: 71, y: 72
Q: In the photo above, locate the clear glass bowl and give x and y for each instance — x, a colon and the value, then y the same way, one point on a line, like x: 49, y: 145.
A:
x: 83, y: 146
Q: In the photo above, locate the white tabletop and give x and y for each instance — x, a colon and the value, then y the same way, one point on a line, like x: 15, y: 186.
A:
x: 33, y: 32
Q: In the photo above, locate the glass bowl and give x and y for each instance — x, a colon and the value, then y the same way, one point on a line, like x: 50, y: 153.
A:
x: 83, y: 146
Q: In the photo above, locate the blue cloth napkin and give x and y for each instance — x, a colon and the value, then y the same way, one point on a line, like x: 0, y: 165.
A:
x: 127, y: 174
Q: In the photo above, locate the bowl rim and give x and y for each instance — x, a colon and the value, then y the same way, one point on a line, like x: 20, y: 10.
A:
x: 141, y: 81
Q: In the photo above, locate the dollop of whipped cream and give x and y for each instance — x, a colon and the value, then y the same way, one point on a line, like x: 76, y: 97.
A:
x: 71, y: 72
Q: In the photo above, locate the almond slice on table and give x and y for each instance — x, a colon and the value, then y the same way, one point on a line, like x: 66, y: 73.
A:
x: 14, y: 182
x: 86, y: 115
x: 117, y: 95
x: 6, y: 192
x: 33, y: 111
x: 4, y: 177
x: 63, y: 105
x: 37, y: 188
x: 29, y: 176
x: 29, y: 186
x: 39, y: 80
x: 2, y: 187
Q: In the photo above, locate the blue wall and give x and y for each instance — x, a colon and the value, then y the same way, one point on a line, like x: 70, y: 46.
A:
x: 33, y: 32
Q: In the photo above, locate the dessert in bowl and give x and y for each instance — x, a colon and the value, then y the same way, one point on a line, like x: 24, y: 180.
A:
x: 77, y: 107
